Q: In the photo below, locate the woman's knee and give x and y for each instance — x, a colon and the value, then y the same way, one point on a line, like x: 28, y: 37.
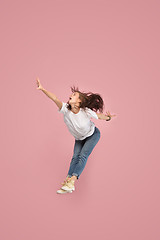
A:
x: 83, y: 157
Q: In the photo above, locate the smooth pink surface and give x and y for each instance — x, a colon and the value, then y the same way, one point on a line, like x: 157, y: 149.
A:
x: 108, y: 47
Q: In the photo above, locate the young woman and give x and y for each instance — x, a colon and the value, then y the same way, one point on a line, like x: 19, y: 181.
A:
x: 77, y: 112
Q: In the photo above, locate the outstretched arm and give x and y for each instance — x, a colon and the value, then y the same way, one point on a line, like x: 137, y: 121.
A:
x: 52, y: 96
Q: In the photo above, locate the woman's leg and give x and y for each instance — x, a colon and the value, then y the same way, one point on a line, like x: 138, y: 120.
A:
x: 86, y: 150
x: 77, y: 149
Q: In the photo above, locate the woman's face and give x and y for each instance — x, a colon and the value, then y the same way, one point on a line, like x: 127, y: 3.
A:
x: 74, y: 98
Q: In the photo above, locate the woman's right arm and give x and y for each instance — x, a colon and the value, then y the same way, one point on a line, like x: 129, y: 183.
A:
x: 52, y: 96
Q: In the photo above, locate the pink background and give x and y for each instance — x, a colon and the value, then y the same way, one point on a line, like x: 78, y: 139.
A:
x: 107, y: 47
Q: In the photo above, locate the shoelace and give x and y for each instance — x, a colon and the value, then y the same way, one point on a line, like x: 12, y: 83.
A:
x: 65, y: 181
x: 68, y: 183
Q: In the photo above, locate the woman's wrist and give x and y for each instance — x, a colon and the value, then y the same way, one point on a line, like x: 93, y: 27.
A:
x: 108, y: 118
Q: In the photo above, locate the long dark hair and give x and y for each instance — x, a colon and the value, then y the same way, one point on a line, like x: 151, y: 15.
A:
x: 91, y: 100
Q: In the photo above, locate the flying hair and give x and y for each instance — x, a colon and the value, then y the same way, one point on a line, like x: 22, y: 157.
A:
x: 91, y: 100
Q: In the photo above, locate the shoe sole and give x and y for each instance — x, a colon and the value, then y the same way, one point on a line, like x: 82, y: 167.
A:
x: 62, y: 191
x: 66, y: 189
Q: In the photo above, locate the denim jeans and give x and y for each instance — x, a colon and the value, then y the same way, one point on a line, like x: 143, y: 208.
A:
x: 82, y: 150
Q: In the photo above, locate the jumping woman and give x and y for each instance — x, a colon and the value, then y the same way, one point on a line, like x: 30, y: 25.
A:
x: 77, y: 112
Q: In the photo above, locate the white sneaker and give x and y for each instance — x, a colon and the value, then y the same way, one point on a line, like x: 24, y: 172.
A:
x: 68, y: 186
x: 62, y: 190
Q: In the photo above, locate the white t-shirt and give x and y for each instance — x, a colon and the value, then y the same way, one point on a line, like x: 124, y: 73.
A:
x: 79, y: 124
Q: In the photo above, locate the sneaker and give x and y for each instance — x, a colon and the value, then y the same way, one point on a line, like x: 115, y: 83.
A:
x: 68, y: 186
x: 64, y: 191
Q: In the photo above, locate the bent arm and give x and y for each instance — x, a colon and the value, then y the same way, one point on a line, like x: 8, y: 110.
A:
x: 53, y: 97
x: 102, y: 116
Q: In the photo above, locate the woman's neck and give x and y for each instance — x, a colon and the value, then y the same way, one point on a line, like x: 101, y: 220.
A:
x: 75, y: 109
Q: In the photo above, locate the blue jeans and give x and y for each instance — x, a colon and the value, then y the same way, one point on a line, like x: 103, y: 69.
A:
x: 82, y: 150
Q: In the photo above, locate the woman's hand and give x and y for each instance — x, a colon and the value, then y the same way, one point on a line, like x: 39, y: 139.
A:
x: 39, y: 84
x: 109, y: 115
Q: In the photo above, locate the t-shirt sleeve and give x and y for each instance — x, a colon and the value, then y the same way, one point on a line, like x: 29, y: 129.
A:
x: 63, y: 108
x: 90, y: 113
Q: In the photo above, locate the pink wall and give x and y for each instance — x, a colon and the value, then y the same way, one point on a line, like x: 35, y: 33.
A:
x: 108, y: 47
